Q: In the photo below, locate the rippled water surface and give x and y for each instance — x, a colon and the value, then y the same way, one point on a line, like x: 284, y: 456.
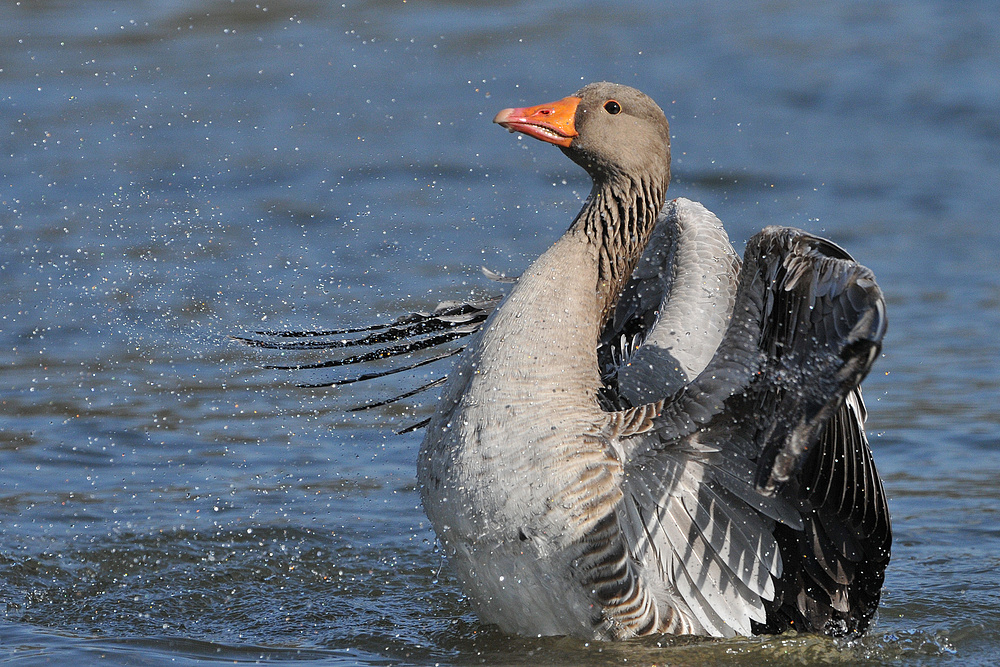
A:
x: 175, y: 172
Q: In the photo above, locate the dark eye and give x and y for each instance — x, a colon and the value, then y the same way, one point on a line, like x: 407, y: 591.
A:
x: 612, y: 107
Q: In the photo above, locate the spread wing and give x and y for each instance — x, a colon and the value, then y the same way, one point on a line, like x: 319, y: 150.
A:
x: 752, y: 501
x: 673, y: 312
x: 840, y: 556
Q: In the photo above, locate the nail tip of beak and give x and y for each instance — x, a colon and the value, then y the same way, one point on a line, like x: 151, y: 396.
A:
x: 502, y: 116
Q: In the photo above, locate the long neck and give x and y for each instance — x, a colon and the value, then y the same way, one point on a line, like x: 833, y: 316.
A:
x: 546, y: 332
x: 617, y: 219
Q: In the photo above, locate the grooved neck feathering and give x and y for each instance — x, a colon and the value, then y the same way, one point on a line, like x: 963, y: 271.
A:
x: 618, y: 219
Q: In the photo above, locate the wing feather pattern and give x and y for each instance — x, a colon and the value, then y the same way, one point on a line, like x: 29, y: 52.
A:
x: 750, y: 500
x: 756, y: 491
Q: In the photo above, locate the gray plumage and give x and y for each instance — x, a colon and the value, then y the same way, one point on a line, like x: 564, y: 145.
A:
x: 643, y: 436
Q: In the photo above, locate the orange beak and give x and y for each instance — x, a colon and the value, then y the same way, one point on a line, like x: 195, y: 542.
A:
x: 551, y: 122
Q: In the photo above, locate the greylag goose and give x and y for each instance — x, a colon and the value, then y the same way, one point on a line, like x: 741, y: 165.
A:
x: 645, y: 436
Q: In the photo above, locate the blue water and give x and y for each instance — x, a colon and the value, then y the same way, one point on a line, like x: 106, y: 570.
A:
x: 175, y: 172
